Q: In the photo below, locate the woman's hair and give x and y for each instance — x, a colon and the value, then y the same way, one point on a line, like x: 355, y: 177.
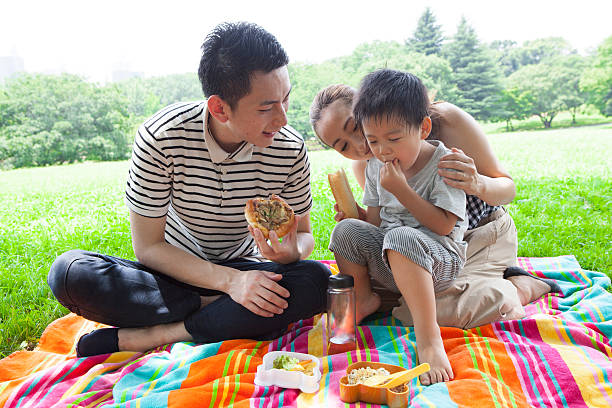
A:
x: 326, y: 97
x: 392, y: 95
x: 231, y: 53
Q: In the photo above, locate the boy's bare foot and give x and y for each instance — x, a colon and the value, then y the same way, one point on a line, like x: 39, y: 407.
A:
x: 432, y: 351
x: 367, y: 305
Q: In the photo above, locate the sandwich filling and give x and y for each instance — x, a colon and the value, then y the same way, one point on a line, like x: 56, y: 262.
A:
x: 271, y: 213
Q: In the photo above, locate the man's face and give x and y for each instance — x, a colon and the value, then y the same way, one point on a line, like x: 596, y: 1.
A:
x: 260, y: 114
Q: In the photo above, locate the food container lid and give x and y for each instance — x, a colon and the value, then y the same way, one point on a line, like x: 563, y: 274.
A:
x: 340, y: 281
x: 268, y: 375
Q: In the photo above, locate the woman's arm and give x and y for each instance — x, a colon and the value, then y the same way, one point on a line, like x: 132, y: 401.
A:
x: 480, y: 172
x: 359, y: 167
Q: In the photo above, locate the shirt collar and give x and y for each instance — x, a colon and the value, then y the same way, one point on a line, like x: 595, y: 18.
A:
x: 217, y: 154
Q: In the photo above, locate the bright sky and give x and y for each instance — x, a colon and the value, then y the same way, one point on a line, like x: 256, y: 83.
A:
x: 93, y: 38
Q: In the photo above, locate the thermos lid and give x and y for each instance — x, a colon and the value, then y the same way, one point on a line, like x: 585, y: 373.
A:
x: 340, y: 281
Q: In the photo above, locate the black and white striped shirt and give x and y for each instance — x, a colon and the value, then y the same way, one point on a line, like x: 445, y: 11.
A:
x: 179, y: 171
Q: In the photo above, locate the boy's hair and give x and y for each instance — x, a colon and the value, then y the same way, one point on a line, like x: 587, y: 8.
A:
x: 392, y: 95
x: 231, y: 53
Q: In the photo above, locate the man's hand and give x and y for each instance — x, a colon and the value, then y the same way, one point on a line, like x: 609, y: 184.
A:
x: 259, y: 292
x: 392, y: 178
x: 283, y: 252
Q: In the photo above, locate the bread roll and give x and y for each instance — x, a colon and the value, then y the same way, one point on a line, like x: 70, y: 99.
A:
x: 272, y: 214
x: 342, y: 194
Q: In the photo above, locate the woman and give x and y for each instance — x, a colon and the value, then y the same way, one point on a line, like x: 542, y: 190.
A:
x: 480, y: 295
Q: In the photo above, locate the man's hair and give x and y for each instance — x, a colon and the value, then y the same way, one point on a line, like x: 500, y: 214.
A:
x: 231, y: 53
x: 392, y: 95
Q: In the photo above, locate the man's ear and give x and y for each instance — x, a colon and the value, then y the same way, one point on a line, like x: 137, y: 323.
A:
x: 218, y: 108
x: 425, y: 127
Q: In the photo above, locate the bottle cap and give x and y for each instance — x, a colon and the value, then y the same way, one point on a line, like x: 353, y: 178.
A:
x: 341, y: 281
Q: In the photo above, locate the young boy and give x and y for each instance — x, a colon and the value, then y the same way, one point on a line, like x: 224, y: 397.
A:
x: 410, y: 238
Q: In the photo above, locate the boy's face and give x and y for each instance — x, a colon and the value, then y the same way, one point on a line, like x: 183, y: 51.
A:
x: 391, y: 140
x: 260, y: 114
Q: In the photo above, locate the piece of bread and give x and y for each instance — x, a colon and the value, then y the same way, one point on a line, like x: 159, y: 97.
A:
x: 271, y: 214
x: 342, y: 194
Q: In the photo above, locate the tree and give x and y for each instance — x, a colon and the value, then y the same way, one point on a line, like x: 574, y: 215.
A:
x: 513, y: 104
x: 597, y: 80
x: 572, y: 96
x: 505, y: 53
x: 510, y: 57
x: 475, y: 73
x: 49, y: 119
x: 306, y: 81
x: 427, y: 38
x: 552, y: 85
x: 541, y: 49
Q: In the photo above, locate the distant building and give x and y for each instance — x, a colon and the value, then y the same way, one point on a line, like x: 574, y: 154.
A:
x: 123, y: 74
x: 10, y: 65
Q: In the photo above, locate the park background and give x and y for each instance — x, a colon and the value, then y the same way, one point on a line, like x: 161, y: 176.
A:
x: 65, y: 140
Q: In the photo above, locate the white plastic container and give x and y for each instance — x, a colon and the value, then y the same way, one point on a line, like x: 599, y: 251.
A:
x: 267, y: 375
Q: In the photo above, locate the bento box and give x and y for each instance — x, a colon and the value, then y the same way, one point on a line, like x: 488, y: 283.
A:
x: 267, y: 375
x: 352, y: 393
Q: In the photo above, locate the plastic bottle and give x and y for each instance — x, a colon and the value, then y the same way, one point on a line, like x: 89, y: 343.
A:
x: 341, y: 311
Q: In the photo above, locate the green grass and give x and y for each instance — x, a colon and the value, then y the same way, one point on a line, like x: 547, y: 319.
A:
x: 562, y: 120
x: 563, y: 206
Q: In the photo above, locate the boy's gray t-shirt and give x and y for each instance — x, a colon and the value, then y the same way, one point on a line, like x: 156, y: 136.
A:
x: 428, y: 184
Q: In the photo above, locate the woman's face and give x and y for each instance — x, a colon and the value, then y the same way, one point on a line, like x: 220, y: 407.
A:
x: 338, y: 129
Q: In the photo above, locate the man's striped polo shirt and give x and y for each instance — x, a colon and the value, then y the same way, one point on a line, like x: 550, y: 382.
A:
x: 179, y: 171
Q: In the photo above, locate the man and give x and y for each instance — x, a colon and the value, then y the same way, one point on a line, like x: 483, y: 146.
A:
x: 194, y: 166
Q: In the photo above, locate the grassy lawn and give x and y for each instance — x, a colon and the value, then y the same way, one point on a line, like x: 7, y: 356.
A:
x: 563, y: 206
x: 562, y: 120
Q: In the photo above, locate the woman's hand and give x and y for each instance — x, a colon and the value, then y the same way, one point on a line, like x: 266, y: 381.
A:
x: 339, y: 216
x: 458, y: 170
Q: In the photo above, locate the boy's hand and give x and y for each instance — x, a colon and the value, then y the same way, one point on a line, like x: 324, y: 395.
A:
x: 392, y: 178
x: 339, y: 216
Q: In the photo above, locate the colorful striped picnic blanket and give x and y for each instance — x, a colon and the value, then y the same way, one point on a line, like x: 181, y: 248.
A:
x: 557, y: 356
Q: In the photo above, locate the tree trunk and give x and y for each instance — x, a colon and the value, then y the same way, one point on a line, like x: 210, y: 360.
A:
x: 543, y: 120
x: 547, y: 119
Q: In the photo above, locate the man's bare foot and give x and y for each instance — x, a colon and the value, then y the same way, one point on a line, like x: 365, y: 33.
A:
x: 528, y: 288
x: 432, y: 352
x: 367, y: 305
x: 146, y: 338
